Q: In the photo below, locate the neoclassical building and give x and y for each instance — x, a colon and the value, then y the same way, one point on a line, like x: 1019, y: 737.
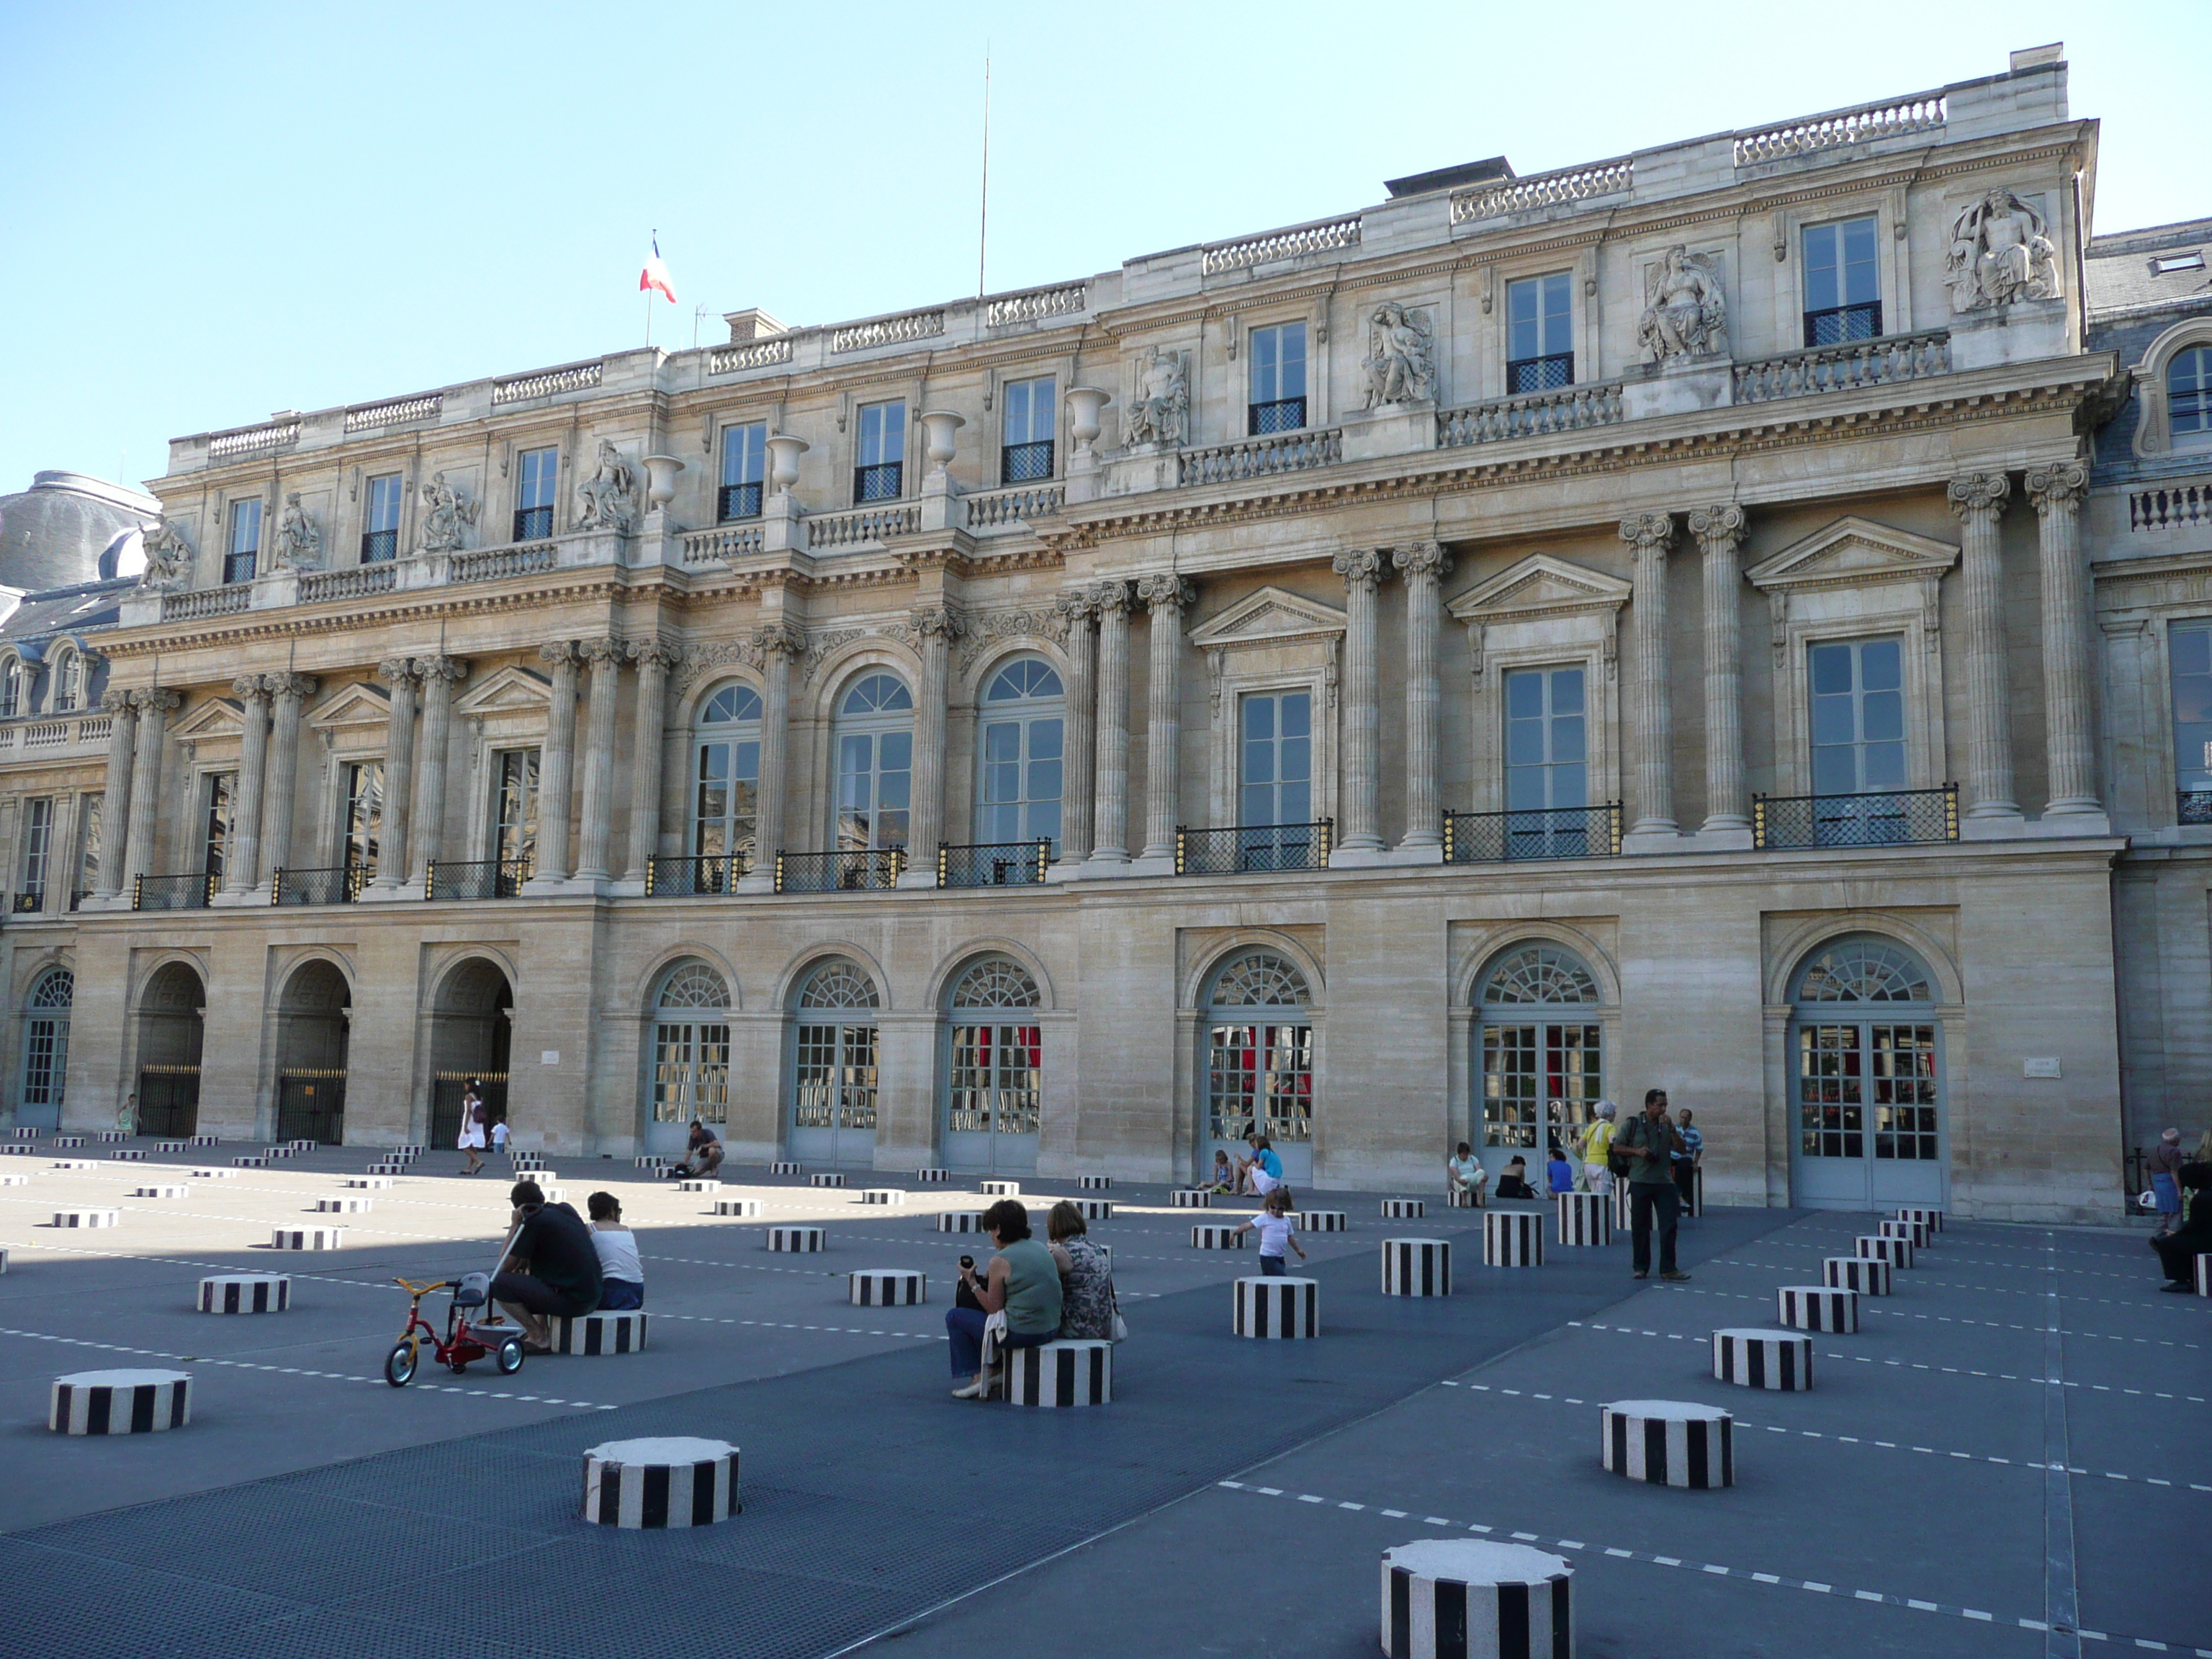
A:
x: 1733, y: 618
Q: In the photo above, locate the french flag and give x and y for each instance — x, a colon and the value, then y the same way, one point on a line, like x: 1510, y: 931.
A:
x: 655, y: 274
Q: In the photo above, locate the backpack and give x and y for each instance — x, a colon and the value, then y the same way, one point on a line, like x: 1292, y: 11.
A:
x: 1616, y: 1161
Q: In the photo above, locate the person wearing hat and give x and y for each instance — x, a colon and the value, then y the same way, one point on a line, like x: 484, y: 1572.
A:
x: 1597, y: 1148
x: 2164, y: 1168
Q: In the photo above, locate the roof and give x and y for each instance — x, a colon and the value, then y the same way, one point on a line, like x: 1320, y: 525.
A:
x: 2156, y: 268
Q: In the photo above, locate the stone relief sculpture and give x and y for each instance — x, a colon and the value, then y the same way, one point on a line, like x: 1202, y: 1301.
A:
x: 1160, y: 411
x: 1402, y: 357
x: 2000, y: 252
x: 605, y: 499
x: 169, y: 557
x: 1685, y: 312
x: 451, y: 513
x: 299, y: 543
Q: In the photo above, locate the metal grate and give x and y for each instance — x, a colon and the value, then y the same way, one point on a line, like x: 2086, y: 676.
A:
x: 482, y: 878
x: 739, y: 500
x: 1550, y: 374
x: 1561, y: 832
x: 1282, y: 415
x: 239, y: 568
x: 1025, y: 463
x: 1253, y: 848
x: 1903, y: 817
x: 378, y: 545
x: 335, y: 885
x: 533, y: 522
x: 879, y: 482
x: 2193, y: 806
x: 27, y: 904
x: 1839, y: 324
x: 694, y: 878
x: 171, y: 892
x: 874, y: 871
x: 993, y: 864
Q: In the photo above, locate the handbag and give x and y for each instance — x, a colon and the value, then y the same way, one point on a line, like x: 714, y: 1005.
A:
x: 1120, y: 1325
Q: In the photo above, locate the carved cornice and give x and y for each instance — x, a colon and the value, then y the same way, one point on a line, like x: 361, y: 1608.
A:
x: 2062, y: 485
x: 1361, y: 568
x: 1979, y: 493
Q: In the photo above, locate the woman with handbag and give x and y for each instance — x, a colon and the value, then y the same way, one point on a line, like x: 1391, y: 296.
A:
x: 1086, y: 1283
x: 1020, y: 1283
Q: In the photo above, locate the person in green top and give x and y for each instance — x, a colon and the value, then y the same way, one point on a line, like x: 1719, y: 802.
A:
x: 1021, y: 1281
x: 1648, y: 1145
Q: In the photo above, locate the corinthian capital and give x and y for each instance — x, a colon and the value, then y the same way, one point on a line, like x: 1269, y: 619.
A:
x: 656, y: 652
x: 297, y: 687
x: 114, y: 701
x: 252, y: 687
x: 780, y: 639
x: 1111, y: 596
x: 1648, y: 533
x: 558, y: 653
x: 1167, y: 593
x: 156, y: 702
x: 1979, y: 493
x: 1075, y: 604
x: 939, y: 624
x: 451, y: 669
x: 604, y: 654
x: 1423, y: 561
x: 394, y: 670
x: 1724, y: 521
x: 1361, y: 568
x: 2059, y: 486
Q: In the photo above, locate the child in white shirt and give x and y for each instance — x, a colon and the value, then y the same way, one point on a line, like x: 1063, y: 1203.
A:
x: 499, y: 1135
x: 1278, y: 1232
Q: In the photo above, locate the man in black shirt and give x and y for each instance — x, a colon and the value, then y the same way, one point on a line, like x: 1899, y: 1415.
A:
x: 552, y: 1269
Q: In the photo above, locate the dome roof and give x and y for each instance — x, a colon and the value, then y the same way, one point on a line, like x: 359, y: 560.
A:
x: 66, y: 529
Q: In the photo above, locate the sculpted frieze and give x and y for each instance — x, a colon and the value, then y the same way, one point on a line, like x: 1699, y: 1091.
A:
x: 2001, y: 252
x: 1685, y: 309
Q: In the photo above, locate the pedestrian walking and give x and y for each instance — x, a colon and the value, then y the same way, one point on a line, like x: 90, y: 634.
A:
x: 1647, y: 1143
x: 471, y: 1140
x: 1687, y: 1157
x: 499, y: 1135
x: 1597, y: 1149
x: 2164, y: 1168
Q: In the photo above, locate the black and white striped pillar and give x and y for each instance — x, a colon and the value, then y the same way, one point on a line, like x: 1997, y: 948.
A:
x: 887, y: 1287
x: 245, y: 1293
x: 113, y: 1135
x: 1462, y: 1198
x: 1761, y: 1359
x: 1584, y: 1218
x: 1064, y: 1373
x: 1323, y: 1221
x: 1819, y: 1308
x: 1094, y: 1183
x: 698, y: 1184
x: 87, y: 1218
x: 607, y: 1331
x: 2204, y: 1275
x: 162, y: 1189
x: 130, y: 1155
x: 1465, y: 1598
x: 1926, y: 1215
x: 883, y: 1196
x: 387, y: 1169
x: 786, y: 1167
x: 933, y: 1177
x: 1914, y: 1233
x: 307, y: 1238
x: 1191, y: 1198
x: 1512, y: 1238
x: 1277, y: 1306
x: 803, y: 1240
x: 1218, y: 1237
x: 343, y: 1205
x: 1897, y: 1252
x: 1864, y: 1275
x: 960, y: 1221
x: 75, y: 1163
x: 215, y: 1175
x: 736, y: 1207
x: 1000, y: 1188
x: 301, y: 1146
x: 674, y: 1482
x: 1093, y: 1209
x: 120, y: 1402
x: 1404, y: 1209
x: 826, y: 1178
x: 1669, y: 1442
x: 69, y: 1143
x: 647, y: 1161
x: 1416, y: 1266
x: 251, y: 1161
x: 369, y: 1183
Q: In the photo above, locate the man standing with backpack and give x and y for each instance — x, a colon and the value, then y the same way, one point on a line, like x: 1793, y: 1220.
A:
x: 1645, y: 1147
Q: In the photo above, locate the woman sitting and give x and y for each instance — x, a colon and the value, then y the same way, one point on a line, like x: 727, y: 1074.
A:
x: 1513, y: 1179
x: 621, y: 1275
x: 1022, y: 1281
x: 1463, y: 1173
x: 1086, y: 1282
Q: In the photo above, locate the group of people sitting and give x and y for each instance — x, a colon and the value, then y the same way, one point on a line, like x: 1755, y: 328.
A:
x: 557, y: 1267
x: 1253, y: 1173
x: 1587, y: 1169
x: 2181, y: 1192
x: 1028, y: 1294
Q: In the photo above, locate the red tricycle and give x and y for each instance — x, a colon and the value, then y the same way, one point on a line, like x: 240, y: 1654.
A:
x: 466, y: 1338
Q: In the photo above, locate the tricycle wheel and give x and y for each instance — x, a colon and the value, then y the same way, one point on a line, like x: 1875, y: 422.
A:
x: 510, y: 1356
x: 399, y: 1364
x: 459, y: 1367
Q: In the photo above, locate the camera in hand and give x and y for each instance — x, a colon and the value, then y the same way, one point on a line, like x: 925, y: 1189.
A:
x: 963, y: 1292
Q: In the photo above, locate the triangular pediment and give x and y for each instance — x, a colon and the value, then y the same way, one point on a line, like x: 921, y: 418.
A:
x: 505, y: 690
x: 1270, y: 617
x: 1850, y: 552
x: 358, y: 703
x: 218, y: 717
x: 1537, y: 585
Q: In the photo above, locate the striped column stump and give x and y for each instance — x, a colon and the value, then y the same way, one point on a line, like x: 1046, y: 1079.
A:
x: 1897, y: 1252
x: 280, y: 1153
x: 1191, y: 1198
x: 1278, y: 1306
x: 826, y: 1178
x: 24, y: 1134
x: 301, y: 1145
x: 1461, y: 1198
x: 886, y: 1287
x: 803, y: 1240
x: 1463, y: 1598
x: 371, y: 1182
x: 1669, y: 1442
x: 554, y: 1194
x: 1912, y: 1232
x: 69, y: 1143
x: 706, y: 1184
x: 2203, y: 1265
x: 162, y: 1189
x: 343, y: 1206
x: 129, y: 1155
x: 205, y: 1141
x: 87, y: 1218
x: 1864, y: 1275
x: 1416, y: 1266
x: 1093, y: 1209
x: 593, y: 1335
x: 173, y: 1145
x: 526, y: 1160
x: 1094, y: 1183
x: 1819, y: 1308
x: 1404, y: 1209
x: 741, y: 1206
x: 786, y: 1168
x: 1584, y: 1218
x: 1324, y: 1221
x: 1928, y: 1217
x: 1000, y: 1188
x: 19, y: 1149
x: 1695, y: 1204
x: 1065, y: 1373
x: 75, y: 1163
x: 388, y: 1169
x: 675, y: 1481
x: 15, y: 1181
x: 307, y: 1238
x: 215, y: 1175
x: 1218, y: 1237
x: 120, y: 1402
x: 650, y: 1163
x: 1512, y: 1238
x: 960, y: 1221
x: 245, y: 1293
x: 251, y: 1161
x: 1764, y: 1359
x: 112, y: 1137
x: 3, y: 1262
x: 933, y: 1177
x: 883, y: 1196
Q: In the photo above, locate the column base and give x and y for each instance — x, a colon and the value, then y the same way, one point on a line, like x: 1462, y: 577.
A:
x: 545, y: 886
x: 373, y: 894
x: 2004, y: 811
x: 1653, y: 838
x: 104, y: 902
x: 911, y: 879
x: 1409, y: 851
x: 2046, y: 828
x: 1152, y: 864
x: 225, y: 899
x: 1359, y: 858
x: 1111, y: 862
x: 627, y: 887
x: 1066, y: 870
x: 1722, y: 835
x: 760, y: 883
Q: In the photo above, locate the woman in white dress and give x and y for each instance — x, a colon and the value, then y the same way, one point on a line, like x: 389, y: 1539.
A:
x: 472, y: 1130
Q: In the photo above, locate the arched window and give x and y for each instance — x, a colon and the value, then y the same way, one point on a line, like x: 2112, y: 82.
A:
x: 691, y: 1046
x: 12, y: 677
x: 1540, y: 1069
x: 2189, y: 395
x: 833, y: 1084
x: 995, y: 1069
x: 1018, y: 772
x: 69, y: 682
x: 875, y: 764
x: 45, y: 1050
x: 725, y: 777
x: 1866, y: 1046
x: 1259, y: 1059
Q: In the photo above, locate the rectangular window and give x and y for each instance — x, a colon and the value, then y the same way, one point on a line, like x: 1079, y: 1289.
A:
x: 218, y: 820
x: 875, y: 789
x: 1276, y: 769
x: 1843, y: 288
x: 1540, y: 333
x: 726, y: 798
x: 539, y: 477
x: 364, y: 814
x: 1278, y: 379
x: 880, y: 464
x: 2188, y: 650
x: 11, y: 689
x: 1026, y: 432
x: 997, y: 1071
x: 89, y: 810
x: 1546, y: 740
x: 745, y: 467
x: 244, y: 549
x: 514, y: 806
x: 1858, y: 716
x: 38, y: 851
x: 2189, y: 396
x: 68, y: 684
x: 380, y: 537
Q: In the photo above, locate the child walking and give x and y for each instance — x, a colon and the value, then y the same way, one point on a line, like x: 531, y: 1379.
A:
x: 1278, y: 1232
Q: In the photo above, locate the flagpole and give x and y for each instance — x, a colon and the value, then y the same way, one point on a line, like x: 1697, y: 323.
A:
x: 983, y: 222
x: 649, y: 294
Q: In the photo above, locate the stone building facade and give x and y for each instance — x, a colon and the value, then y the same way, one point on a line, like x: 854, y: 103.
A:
x: 1672, y: 621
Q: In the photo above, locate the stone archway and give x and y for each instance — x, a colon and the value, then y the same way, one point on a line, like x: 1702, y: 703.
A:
x: 471, y: 1022
x: 171, y: 1017
x: 312, y: 1017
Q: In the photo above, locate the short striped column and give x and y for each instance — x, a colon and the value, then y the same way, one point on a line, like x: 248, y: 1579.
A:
x: 741, y: 1207
x: 787, y: 1167
x: 343, y: 1206
x: 1094, y: 1183
x: 2204, y: 1275
x: 120, y: 1402
x: 245, y: 1293
x: 215, y: 1175
x: 554, y: 1194
x: 1897, y: 1252
x: 1218, y: 1237
x: 1462, y: 1198
x: 887, y: 1287
x: 75, y: 1163
x: 369, y: 1183
x: 1819, y: 1308
x: 87, y: 1218
x: 162, y: 1189
x: 129, y: 1155
x: 388, y: 1169
x: 69, y: 1143
x: 251, y: 1161
x: 173, y: 1145
x: 1404, y: 1209
x: 19, y: 1149
x: 1324, y: 1221
x: 522, y: 1162
x: 307, y: 1238
x: 12, y: 1180
x: 301, y: 1146
x: 1277, y: 1306
x: 1694, y: 1205
x: 883, y: 1196
x: 591, y: 1335
x: 960, y: 1221
x: 702, y: 1184
x: 1191, y: 1198
x: 216, y: 1140
x: 933, y: 1177
x: 1623, y: 1213
x: 1093, y: 1209
x: 1585, y: 1218
x: 1759, y: 1359
x: 1416, y: 1266
x: 1064, y: 1373
x: 1465, y: 1598
x: 1512, y: 1238
x: 826, y: 1178
x: 1912, y: 1232
x: 646, y: 1161
x: 803, y: 1240
x: 675, y: 1482
x: 1927, y: 1216
x: 1669, y: 1442
x: 112, y: 1137
x: 24, y: 1134
x: 1864, y: 1275
x: 1000, y: 1188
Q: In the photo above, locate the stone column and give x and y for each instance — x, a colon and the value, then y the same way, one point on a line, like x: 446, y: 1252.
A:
x: 1079, y: 744
x: 1719, y: 530
x: 1978, y: 500
x: 606, y: 658
x: 146, y: 779
x: 654, y: 658
x: 1168, y: 596
x: 391, y: 865
x: 243, y: 869
x: 1361, y: 799
x: 122, y: 709
x: 1649, y: 534
x: 439, y: 676
x: 779, y: 643
x: 1425, y: 568
x: 935, y: 628
x: 2057, y: 492
x: 1112, y: 841
x: 290, y: 692
x: 556, y: 765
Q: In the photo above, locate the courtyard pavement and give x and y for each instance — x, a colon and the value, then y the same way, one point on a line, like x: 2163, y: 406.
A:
x: 2016, y: 1447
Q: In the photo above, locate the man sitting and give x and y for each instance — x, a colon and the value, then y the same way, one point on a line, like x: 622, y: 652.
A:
x: 703, y: 1154
x: 551, y: 1270
x: 2178, y: 1251
x: 1261, y: 1173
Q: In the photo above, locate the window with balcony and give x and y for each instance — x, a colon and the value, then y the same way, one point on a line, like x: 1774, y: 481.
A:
x: 1546, y: 740
x: 37, y: 851
x: 1278, y: 358
x: 243, y: 550
x: 2189, y: 398
x: 539, y: 477
x: 1858, y: 716
x: 725, y: 775
x: 364, y: 815
x: 1023, y: 720
x: 875, y: 765
x: 2189, y: 653
x: 1540, y: 333
x: 380, y: 537
x: 1026, y: 439
x: 745, y: 468
x: 89, y: 810
x: 218, y: 822
x: 1842, y: 285
x: 1275, y: 771
x: 879, y: 466
x: 514, y: 807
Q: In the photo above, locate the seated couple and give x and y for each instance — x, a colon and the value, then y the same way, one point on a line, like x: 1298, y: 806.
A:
x: 1044, y: 1293
x: 558, y: 1268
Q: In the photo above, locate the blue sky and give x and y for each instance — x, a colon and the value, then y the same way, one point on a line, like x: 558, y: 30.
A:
x: 212, y: 212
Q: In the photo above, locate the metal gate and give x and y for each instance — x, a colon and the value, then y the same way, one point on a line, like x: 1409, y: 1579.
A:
x: 446, y: 1088
x: 311, y: 1106
x: 169, y: 1100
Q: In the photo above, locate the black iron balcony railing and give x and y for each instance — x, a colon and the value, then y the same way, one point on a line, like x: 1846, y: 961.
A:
x: 1025, y: 463
x: 1548, y: 373
x: 533, y: 523
x: 171, y: 892
x: 27, y: 904
x: 1901, y: 817
x: 879, y: 482
x: 379, y: 546
x: 2193, y: 806
x: 1837, y: 324
x: 1550, y: 832
x: 993, y: 864
x: 738, y: 501
x: 694, y: 878
x: 1280, y: 415
x: 333, y: 884
x: 479, y: 878
x: 1251, y: 848
x: 872, y: 871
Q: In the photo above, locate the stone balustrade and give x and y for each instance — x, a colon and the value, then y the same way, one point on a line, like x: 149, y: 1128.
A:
x: 1294, y: 243
x: 574, y: 377
x: 1007, y: 509
x: 1843, y: 367
x: 1543, y: 190
x: 363, y: 581
x: 1539, y: 415
x: 2185, y: 504
x: 203, y: 603
x: 750, y: 354
x: 1035, y: 305
x: 1260, y: 458
x: 862, y: 527
x: 702, y: 548
x: 887, y: 330
x: 1853, y: 126
x: 56, y: 733
x: 395, y: 411
x: 252, y: 439
x: 494, y: 564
